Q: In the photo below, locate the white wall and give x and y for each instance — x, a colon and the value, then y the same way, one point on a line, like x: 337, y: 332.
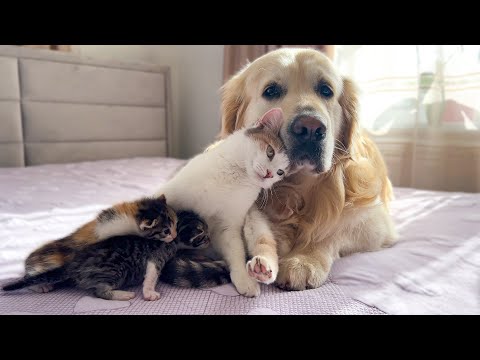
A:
x: 196, y: 79
x: 201, y: 76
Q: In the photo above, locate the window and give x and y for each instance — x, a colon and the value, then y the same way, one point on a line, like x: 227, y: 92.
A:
x: 410, y: 86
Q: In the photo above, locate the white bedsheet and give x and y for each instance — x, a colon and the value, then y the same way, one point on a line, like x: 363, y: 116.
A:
x: 433, y: 269
x: 435, y: 266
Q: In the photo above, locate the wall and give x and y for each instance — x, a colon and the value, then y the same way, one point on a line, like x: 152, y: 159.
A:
x: 201, y: 76
x: 196, y: 79
x: 449, y: 164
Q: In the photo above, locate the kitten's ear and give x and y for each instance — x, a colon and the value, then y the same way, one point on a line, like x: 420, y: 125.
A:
x: 272, y: 119
x: 162, y: 199
x: 148, y: 224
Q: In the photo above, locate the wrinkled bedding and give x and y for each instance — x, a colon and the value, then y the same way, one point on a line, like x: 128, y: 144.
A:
x: 434, y: 268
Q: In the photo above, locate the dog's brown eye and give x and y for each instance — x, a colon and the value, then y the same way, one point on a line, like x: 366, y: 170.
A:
x: 270, y: 152
x: 324, y: 90
x: 273, y: 92
x: 280, y: 172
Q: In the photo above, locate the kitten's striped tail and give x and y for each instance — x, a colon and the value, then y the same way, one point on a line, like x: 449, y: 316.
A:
x: 188, y: 273
x: 48, y: 277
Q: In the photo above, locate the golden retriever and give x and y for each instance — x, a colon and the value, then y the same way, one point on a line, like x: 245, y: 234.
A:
x: 336, y: 202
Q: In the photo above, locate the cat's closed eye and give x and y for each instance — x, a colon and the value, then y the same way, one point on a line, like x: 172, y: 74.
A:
x: 270, y: 152
x: 280, y: 172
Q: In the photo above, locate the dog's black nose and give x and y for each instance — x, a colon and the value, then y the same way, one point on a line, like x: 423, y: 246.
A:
x: 307, y: 128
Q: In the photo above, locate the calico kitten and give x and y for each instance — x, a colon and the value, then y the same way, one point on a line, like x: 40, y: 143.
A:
x: 150, y: 218
x: 221, y: 186
x: 123, y: 261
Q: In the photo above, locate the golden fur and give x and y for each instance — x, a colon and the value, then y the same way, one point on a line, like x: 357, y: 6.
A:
x: 317, y: 217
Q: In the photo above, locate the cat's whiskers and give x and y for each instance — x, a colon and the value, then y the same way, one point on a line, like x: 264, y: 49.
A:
x: 271, y: 191
x: 262, y: 205
x: 263, y: 199
x: 266, y: 199
x: 274, y: 192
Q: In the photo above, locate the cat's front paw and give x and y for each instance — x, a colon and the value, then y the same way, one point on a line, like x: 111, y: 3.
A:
x: 150, y: 295
x: 262, y: 269
x: 42, y: 289
x: 244, y: 284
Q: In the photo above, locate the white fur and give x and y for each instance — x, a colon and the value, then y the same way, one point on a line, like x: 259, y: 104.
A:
x: 149, y: 283
x: 256, y: 227
x: 221, y: 185
x: 120, y: 225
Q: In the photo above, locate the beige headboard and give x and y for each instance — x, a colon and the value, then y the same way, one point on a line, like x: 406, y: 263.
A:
x: 60, y: 108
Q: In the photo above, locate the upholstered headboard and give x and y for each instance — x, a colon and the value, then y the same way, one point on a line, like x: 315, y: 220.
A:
x: 59, y: 108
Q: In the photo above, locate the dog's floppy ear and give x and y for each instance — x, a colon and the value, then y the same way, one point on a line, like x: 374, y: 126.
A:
x: 233, y: 104
x: 349, y: 103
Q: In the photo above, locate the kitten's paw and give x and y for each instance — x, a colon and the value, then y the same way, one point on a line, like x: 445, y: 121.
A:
x: 42, y: 288
x: 150, y: 295
x: 244, y: 284
x: 262, y: 269
x: 122, y: 295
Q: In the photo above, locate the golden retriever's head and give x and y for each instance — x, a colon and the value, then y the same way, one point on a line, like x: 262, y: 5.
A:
x: 319, y: 105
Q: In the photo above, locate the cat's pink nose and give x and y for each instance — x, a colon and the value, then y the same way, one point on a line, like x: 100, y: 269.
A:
x: 269, y: 175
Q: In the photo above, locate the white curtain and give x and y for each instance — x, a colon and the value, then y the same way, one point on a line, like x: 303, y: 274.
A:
x: 421, y: 103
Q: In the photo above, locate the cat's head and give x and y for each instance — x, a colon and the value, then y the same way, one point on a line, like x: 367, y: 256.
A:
x: 192, y: 231
x: 156, y: 220
x: 267, y: 160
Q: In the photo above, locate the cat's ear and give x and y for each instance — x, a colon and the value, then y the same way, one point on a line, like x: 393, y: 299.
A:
x: 272, y: 119
x: 148, y: 224
x: 162, y: 199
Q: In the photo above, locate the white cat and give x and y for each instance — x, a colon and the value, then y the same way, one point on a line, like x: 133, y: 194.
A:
x: 222, y: 184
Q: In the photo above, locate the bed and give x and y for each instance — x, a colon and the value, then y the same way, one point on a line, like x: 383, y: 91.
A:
x: 56, y: 174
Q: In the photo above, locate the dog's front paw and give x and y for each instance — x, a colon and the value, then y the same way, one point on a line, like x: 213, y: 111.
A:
x: 300, y: 273
x: 262, y: 269
x: 245, y: 285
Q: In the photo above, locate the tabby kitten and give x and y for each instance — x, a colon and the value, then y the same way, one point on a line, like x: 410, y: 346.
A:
x: 150, y: 218
x: 123, y: 261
